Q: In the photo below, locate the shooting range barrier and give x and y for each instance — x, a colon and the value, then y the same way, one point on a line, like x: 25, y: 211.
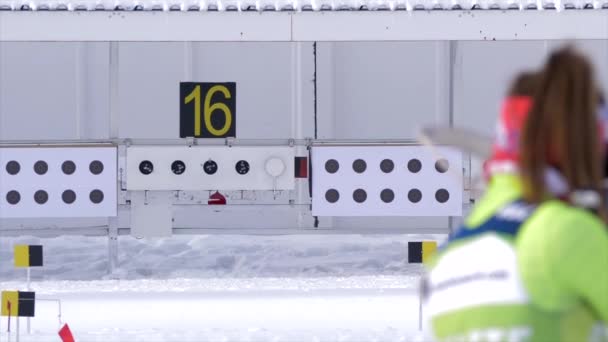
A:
x: 213, y: 181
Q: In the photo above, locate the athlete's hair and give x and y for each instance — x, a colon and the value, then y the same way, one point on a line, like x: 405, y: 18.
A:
x: 525, y: 84
x: 562, y: 128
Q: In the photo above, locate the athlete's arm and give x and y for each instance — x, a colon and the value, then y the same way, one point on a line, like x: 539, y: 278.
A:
x: 580, y: 252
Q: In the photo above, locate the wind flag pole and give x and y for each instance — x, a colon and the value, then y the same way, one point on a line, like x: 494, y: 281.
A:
x: 8, y: 306
x: 29, y: 328
x: 28, y: 256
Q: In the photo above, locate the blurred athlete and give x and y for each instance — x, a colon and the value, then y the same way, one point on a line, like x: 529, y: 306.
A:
x: 515, y: 109
x: 531, y: 262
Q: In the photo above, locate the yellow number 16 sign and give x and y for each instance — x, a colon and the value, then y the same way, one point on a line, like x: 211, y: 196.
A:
x: 207, y: 110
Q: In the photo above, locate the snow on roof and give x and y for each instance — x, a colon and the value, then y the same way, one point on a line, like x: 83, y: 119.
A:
x: 293, y: 5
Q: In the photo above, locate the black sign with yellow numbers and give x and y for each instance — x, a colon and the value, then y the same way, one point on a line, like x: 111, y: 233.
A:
x: 207, y: 110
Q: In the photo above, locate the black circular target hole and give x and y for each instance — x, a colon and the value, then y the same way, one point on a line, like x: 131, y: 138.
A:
x: 41, y: 196
x: 68, y: 196
x: 13, y: 197
x: 332, y: 166
x: 414, y: 195
x: 146, y: 167
x: 442, y: 195
x: 387, y: 195
x: 387, y: 166
x: 442, y: 165
x: 13, y: 167
x: 242, y: 167
x: 96, y: 196
x: 210, y: 167
x: 96, y: 167
x: 178, y: 167
x: 359, y: 166
x: 68, y: 167
x: 359, y: 195
x: 414, y: 165
x: 332, y: 195
x: 41, y: 167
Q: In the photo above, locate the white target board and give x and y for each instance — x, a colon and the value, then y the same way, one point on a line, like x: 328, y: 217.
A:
x: 210, y: 168
x: 386, y: 181
x: 58, y: 182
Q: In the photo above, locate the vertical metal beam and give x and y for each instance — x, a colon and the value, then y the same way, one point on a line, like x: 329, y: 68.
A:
x: 326, y: 104
x: 443, y: 83
x: 452, y: 46
x: 326, y: 110
x: 114, y: 133
x: 114, y: 90
x: 112, y: 245
x: 297, y: 123
x: 420, y: 311
x: 445, y: 59
x: 81, y: 84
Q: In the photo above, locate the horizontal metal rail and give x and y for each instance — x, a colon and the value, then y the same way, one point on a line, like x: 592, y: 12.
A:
x: 104, y: 231
x: 204, y: 142
x: 294, y: 26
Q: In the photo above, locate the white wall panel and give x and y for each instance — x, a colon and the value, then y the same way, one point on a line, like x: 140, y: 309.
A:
x: 383, y: 90
x: 37, y: 90
x: 482, y: 74
x: 53, y: 91
x: 148, y: 89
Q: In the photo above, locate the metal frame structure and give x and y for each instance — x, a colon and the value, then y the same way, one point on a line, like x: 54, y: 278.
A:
x: 294, y: 26
x: 324, y: 26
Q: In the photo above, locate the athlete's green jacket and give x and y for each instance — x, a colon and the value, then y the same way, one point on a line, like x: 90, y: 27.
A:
x: 547, y: 282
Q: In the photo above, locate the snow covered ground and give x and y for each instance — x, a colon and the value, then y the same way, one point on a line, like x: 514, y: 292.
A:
x: 224, y: 288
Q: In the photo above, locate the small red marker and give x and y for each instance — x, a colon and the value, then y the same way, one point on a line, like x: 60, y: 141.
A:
x: 66, y: 334
x: 216, y: 199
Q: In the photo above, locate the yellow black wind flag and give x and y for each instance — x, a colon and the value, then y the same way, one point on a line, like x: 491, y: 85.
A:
x: 28, y: 256
x: 18, y: 304
x: 419, y: 252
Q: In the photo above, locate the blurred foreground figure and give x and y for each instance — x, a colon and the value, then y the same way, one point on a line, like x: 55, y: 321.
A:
x: 531, y: 261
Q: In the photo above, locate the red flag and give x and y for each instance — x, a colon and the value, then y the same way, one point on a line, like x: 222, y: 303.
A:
x: 66, y: 334
x: 301, y: 167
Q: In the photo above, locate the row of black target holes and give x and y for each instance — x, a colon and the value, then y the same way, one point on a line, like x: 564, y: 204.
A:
x: 178, y: 167
x: 41, y: 197
x: 41, y: 167
x: 387, y: 166
x: 387, y: 195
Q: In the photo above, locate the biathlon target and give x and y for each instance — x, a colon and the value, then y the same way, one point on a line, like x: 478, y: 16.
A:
x: 210, y: 168
x: 58, y: 181
x: 386, y: 181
